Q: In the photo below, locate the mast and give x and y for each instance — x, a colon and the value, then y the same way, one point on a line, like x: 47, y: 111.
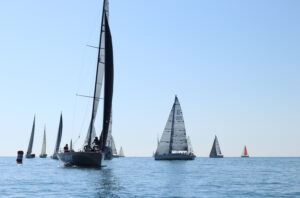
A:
x: 172, y: 128
x: 108, y: 84
x: 99, y: 74
x: 29, y: 150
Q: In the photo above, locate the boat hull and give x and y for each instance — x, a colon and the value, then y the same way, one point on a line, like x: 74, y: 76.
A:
x: 174, y: 157
x: 217, y: 156
x: 245, y: 156
x: 83, y: 159
x: 30, y: 156
x: 54, y: 157
x: 43, y: 156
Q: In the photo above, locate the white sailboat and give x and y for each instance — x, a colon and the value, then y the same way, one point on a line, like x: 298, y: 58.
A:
x: 121, y: 152
x: 29, y: 150
x: 215, y: 150
x: 58, y: 139
x: 173, y: 144
x: 43, y: 152
x: 91, y: 155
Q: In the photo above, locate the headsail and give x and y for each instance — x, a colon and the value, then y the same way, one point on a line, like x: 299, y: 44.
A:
x: 43, y: 151
x: 29, y: 150
x: 59, y: 134
x: 71, y: 146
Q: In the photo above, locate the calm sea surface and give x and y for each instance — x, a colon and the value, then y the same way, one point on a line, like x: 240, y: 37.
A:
x: 144, y: 177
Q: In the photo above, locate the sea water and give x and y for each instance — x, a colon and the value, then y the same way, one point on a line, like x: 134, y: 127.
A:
x: 145, y: 177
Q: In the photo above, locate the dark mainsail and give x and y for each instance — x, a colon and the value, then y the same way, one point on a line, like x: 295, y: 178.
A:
x: 58, y: 139
x: 29, y: 150
x: 108, y: 84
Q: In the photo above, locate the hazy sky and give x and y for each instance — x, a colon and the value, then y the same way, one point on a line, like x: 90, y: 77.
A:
x: 234, y: 65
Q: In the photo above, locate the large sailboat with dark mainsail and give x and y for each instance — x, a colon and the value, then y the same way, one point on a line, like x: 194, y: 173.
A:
x: 215, y: 150
x: 29, y: 153
x: 58, y: 139
x: 91, y: 155
x: 174, y: 144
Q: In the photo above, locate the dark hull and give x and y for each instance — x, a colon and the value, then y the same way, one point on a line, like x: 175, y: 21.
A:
x: 83, y: 159
x: 43, y: 156
x: 30, y: 156
x: 245, y: 156
x: 54, y: 157
x: 216, y: 156
x: 174, y: 157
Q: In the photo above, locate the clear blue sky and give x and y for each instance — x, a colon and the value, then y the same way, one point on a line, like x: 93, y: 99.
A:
x: 234, y: 65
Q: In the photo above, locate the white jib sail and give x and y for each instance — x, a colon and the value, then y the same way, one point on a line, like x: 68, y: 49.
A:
x: 164, y: 143
x: 113, y: 146
x: 43, y: 152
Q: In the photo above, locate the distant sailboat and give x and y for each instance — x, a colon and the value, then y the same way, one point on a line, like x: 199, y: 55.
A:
x: 92, y: 155
x: 113, y: 148
x: 58, y: 139
x: 173, y: 144
x: 215, y: 150
x: 121, y: 152
x: 29, y: 150
x: 43, y: 152
x: 245, y: 152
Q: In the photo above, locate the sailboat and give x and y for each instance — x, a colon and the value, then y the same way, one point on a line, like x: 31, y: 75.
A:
x: 58, y: 139
x: 43, y: 152
x: 245, y: 152
x: 173, y: 144
x: 91, y: 156
x: 29, y: 150
x: 215, y: 150
x: 121, y: 152
x: 113, y: 148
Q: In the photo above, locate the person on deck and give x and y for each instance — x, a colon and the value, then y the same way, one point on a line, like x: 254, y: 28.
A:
x: 96, y: 142
x: 66, y: 148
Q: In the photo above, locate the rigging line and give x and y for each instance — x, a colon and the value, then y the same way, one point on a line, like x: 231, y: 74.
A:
x: 89, y: 96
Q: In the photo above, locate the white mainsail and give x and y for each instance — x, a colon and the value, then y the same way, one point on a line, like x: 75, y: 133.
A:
x: 178, y: 142
x: 29, y: 150
x: 91, y: 134
x: 121, y: 153
x: 174, y: 134
x: 43, y: 151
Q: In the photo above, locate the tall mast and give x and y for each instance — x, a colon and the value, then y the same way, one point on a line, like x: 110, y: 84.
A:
x: 172, y: 128
x: 97, y: 70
